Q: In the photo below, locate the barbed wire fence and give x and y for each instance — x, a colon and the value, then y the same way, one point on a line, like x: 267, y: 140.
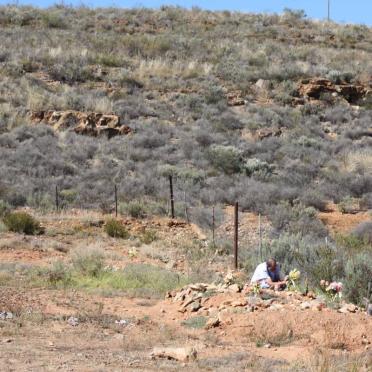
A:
x: 178, y: 205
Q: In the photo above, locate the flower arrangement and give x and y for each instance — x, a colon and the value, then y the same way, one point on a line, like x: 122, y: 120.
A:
x: 333, y: 289
x: 293, y: 277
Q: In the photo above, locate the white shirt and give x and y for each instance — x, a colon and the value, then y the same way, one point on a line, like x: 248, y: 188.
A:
x: 260, y: 273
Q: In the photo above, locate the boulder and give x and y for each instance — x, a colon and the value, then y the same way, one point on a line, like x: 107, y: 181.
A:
x: 212, y: 323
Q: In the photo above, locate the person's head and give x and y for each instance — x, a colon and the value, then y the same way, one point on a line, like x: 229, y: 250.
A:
x: 271, y: 264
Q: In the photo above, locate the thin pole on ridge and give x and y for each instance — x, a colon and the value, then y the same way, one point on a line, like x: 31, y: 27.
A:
x: 329, y: 10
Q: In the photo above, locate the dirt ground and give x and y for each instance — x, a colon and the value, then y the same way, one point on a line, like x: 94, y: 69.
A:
x: 117, y: 331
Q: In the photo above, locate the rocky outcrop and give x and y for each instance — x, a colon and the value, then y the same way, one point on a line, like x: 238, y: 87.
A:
x: 316, y: 87
x: 92, y: 123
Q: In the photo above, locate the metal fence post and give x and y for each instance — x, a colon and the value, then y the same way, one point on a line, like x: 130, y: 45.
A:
x: 57, y: 199
x: 236, y: 224
x: 116, y: 201
x: 213, y: 226
x: 171, y: 195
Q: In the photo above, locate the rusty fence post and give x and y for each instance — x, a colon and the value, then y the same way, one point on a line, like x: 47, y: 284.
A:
x: 116, y: 200
x: 213, y: 225
x: 171, y: 195
x: 57, y: 199
x: 236, y: 224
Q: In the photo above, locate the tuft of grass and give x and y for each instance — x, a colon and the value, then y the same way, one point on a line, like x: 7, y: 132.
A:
x: 195, y: 322
x: 88, y: 262
x: 115, y: 229
x: 148, y: 236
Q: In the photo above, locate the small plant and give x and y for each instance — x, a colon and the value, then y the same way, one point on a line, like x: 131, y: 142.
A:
x: 22, y: 222
x: 195, y: 322
x: 256, y: 289
x: 293, y: 278
x: 115, y: 229
x: 132, y: 253
x: 148, y: 236
x: 89, y: 261
x: 134, y: 208
x: 59, y: 274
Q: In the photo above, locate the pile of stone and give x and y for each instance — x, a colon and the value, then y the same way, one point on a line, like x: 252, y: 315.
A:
x: 196, y: 298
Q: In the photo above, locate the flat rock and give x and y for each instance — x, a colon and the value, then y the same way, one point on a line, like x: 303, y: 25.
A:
x: 182, y: 354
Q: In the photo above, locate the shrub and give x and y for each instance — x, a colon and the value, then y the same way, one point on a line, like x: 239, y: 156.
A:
x: 58, y: 274
x: 115, y: 229
x: 134, y: 208
x: 148, y: 236
x: 347, y: 205
x: 4, y: 208
x: 22, y: 222
x: 256, y: 166
x: 312, y: 198
x: 88, y: 261
x: 366, y: 201
x: 364, y: 232
x: 228, y: 159
x: 296, y: 220
x: 358, y: 272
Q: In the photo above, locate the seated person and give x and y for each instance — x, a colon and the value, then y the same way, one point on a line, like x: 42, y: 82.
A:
x: 268, y: 275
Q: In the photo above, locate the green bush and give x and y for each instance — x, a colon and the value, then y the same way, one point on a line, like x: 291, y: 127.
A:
x: 22, y: 222
x: 4, y: 208
x: 148, y: 236
x: 256, y: 166
x: 358, y: 273
x: 134, y: 208
x: 225, y: 158
x: 364, y: 232
x: 115, y: 229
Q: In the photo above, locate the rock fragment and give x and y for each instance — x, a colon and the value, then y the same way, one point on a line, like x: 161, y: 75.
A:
x: 182, y: 354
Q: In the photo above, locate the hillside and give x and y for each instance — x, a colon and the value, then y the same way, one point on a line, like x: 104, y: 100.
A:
x: 271, y: 111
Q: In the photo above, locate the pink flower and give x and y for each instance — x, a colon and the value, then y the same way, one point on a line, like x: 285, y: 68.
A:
x: 335, y: 287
